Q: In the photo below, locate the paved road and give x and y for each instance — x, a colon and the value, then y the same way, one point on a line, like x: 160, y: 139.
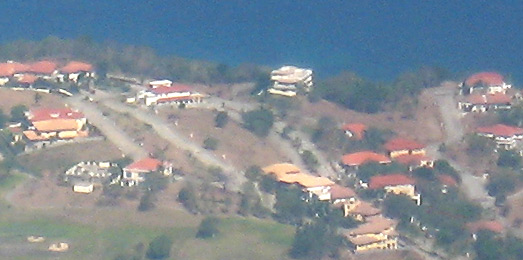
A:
x: 108, y: 128
x: 164, y: 130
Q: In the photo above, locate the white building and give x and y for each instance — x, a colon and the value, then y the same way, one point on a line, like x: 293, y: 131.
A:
x: 289, y: 80
x: 177, y: 94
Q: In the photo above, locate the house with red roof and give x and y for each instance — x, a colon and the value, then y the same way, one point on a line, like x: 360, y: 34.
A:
x: 354, y: 160
x: 10, y: 70
x: 492, y: 81
x: 49, y: 123
x: 447, y: 181
x: 134, y: 173
x: 172, y: 94
x: 73, y: 70
x: 504, y: 135
x: 413, y: 161
x: 484, y: 102
x: 397, y: 184
x: 402, y: 146
x: 355, y: 130
x: 43, y: 68
x: 490, y: 225
x: 341, y: 194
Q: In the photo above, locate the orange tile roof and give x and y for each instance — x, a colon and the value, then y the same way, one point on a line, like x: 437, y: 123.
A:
x: 340, y: 192
x: 40, y: 114
x: 357, y: 129
x: 43, y: 67
x: 171, y: 89
x: 76, y: 66
x: 33, y: 136
x: 8, y: 69
x: 28, y: 79
x: 488, y: 78
x: 374, y: 225
x: 365, y: 209
x: 411, y: 159
x: 144, y: 165
x: 291, y: 174
x: 489, y: 99
x: 359, y: 158
x: 447, y: 180
x: 381, y: 181
x: 500, y: 130
x: 54, y: 125
x: 280, y: 169
x: 491, y: 225
x: 397, y: 144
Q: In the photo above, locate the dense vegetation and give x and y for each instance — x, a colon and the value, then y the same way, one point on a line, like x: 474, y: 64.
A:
x: 354, y: 92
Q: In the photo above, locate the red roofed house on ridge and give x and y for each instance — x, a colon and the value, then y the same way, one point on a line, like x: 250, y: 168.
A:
x: 359, y: 158
x: 504, y: 135
x: 491, y: 225
x: 43, y: 68
x: 413, y: 161
x: 493, y: 81
x: 172, y: 94
x: 402, y: 146
x: 396, y: 184
x: 134, y: 173
x: 485, y: 102
x: 75, y: 69
x: 354, y: 130
x: 11, y: 69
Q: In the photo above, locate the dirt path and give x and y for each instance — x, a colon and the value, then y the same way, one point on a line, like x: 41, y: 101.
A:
x: 473, y: 186
x: 108, y: 128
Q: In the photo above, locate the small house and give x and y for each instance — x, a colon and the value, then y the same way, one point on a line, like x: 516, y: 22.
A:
x: 396, y: 184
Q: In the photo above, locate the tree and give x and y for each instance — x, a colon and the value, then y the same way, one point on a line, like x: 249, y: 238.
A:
x: 310, y: 160
x: 210, y: 143
x: 488, y: 247
x: 400, y: 207
x: 159, y: 248
x: 221, y: 119
x: 289, y: 208
x: 37, y: 98
x: 208, y: 228
x: 3, y: 119
x: 187, y: 196
x: 501, y: 184
x: 509, y: 159
x: 258, y: 121
x: 254, y: 173
x: 479, y: 146
x: 314, y: 240
x: 424, y: 172
x: 147, y: 201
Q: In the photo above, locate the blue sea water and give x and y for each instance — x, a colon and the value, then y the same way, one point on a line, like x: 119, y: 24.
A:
x: 377, y: 39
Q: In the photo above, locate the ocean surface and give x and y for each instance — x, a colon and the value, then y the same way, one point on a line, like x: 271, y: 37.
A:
x: 376, y: 39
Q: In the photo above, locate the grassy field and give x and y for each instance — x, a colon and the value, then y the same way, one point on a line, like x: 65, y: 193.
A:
x: 239, y: 238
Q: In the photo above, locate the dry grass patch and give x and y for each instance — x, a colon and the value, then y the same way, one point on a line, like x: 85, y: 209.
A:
x: 11, y: 98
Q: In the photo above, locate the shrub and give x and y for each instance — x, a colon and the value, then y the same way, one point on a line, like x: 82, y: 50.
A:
x: 159, y: 248
x: 208, y: 228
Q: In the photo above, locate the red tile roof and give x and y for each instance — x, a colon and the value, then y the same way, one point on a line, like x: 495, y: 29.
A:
x: 359, y: 158
x: 357, y: 129
x: 378, y: 182
x: 489, y: 99
x: 398, y: 144
x: 8, y: 69
x: 42, y: 114
x: 43, y: 67
x: 500, y: 130
x: 172, y: 89
x: 76, y: 66
x: 491, y: 225
x: 409, y: 159
x: 447, y: 180
x: 144, y: 165
x: 340, y: 192
x: 28, y: 79
x: 488, y: 78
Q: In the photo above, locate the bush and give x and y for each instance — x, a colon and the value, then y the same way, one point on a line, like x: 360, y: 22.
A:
x: 221, y: 119
x: 210, y: 143
x: 208, y: 228
x: 18, y: 113
x: 159, y: 248
x: 310, y: 160
x: 187, y: 197
x: 258, y: 121
x: 147, y: 202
